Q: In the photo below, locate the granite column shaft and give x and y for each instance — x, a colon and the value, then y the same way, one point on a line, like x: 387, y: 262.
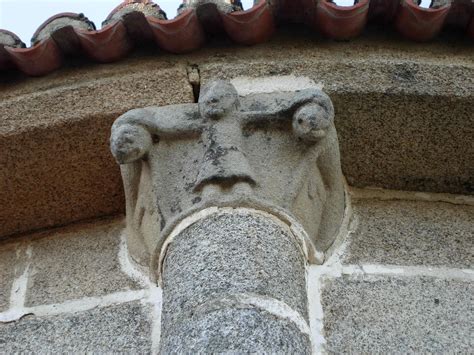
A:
x: 235, y: 281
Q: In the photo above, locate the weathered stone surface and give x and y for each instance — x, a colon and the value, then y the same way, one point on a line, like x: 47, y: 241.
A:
x: 273, y: 152
x: 58, y: 175
x: 79, y: 22
x: 55, y: 166
x: 411, y: 148
x: 383, y: 314
x: 124, y: 328
x: 242, y: 331
x: 393, y: 83
x: 79, y: 261
x: 225, y: 256
x: 412, y: 233
x: 395, y: 102
x: 92, y: 91
x: 7, y: 273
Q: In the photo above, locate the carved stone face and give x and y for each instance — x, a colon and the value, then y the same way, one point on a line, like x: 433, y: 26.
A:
x: 274, y: 152
x: 218, y: 99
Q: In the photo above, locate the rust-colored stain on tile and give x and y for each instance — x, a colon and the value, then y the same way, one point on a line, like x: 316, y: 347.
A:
x: 135, y: 21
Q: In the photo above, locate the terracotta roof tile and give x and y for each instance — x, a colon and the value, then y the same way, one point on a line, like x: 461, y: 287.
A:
x: 341, y: 22
x: 40, y: 59
x: 146, y: 7
x: 180, y: 35
x: 8, y: 39
x: 107, y: 44
x: 250, y: 27
x: 59, y: 21
x: 418, y: 23
x: 135, y: 21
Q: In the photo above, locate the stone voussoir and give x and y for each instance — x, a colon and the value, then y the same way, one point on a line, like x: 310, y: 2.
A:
x: 55, y: 166
x: 393, y: 108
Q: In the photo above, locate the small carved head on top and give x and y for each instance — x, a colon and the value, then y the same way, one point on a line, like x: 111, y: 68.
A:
x: 217, y: 99
x: 312, y: 121
x: 276, y: 152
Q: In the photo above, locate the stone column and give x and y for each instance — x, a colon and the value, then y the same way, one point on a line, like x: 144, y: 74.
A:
x: 235, y: 282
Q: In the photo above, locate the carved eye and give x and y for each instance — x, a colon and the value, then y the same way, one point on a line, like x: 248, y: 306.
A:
x: 129, y: 142
x: 311, y: 122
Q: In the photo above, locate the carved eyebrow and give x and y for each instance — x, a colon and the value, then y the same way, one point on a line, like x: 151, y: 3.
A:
x: 166, y: 122
x: 256, y: 117
x: 287, y: 107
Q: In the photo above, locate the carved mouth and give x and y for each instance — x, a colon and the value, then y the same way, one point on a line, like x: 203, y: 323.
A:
x: 224, y: 182
x: 214, y: 112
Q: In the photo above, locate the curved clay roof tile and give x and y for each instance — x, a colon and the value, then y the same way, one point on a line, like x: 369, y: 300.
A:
x: 38, y: 60
x: 249, y: 27
x: 420, y: 24
x: 8, y: 39
x: 181, y: 35
x: 59, y: 21
x: 146, y: 7
x: 341, y: 22
x: 107, y: 44
x: 135, y: 21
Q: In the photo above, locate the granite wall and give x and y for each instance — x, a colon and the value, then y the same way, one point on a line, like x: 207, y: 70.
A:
x: 400, y: 280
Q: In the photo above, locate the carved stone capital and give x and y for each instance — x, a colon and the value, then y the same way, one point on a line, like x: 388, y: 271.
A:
x: 275, y: 152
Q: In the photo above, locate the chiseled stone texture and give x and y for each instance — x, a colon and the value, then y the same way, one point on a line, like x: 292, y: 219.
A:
x: 229, y: 254
x: 240, y: 331
x: 383, y: 314
x: 8, y: 263
x: 395, y: 101
x: 220, y: 152
x: 412, y: 233
x: 76, y: 262
x: 56, y: 167
x: 408, y: 141
x: 220, y: 257
x: 124, y: 328
x: 403, y: 111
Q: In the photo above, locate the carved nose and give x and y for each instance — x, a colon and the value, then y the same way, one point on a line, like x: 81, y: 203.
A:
x: 224, y: 165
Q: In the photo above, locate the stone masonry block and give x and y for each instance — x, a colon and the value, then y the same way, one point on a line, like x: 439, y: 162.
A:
x: 55, y: 165
x: 124, y: 328
x: 385, y: 314
x: 412, y: 233
x: 7, y: 273
x: 79, y: 261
